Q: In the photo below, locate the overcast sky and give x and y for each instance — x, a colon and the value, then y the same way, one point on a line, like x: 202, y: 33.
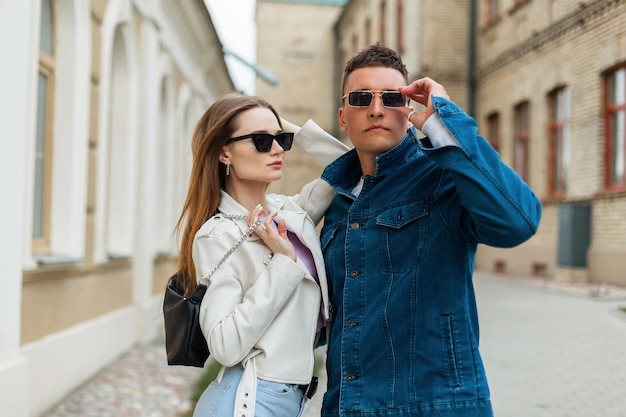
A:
x: 234, y: 22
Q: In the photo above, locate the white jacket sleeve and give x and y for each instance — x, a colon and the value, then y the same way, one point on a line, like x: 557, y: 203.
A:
x: 322, y: 148
x: 317, y: 144
x: 234, y: 314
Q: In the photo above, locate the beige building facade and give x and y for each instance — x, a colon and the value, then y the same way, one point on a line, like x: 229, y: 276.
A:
x: 99, y: 99
x: 414, y: 30
x: 545, y: 80
x: 551, y: 95
x: 295, y: 42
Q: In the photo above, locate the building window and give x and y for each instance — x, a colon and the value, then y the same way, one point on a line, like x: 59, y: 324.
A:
x: 164, y: 210
x: 521, y: 137
x: 517, y: 4
x: 43, y: 138
x: 493, y: 130
x: 559, y: 140
x: 383, y: 20
x: 400, y: 26
x: 493, y: 11
x: 615, y: 128
x: 122, y: 154
x: 56, y: 164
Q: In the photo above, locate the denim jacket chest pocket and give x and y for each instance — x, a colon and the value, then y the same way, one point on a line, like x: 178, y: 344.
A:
x: 400, y: 236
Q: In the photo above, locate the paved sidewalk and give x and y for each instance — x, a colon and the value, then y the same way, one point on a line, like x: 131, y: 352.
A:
x: 138, y: 384
x: 551, y: 350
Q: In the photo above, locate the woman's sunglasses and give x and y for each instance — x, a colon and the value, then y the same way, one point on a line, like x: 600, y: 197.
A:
x: 363, y: 98
x: 263, y: 141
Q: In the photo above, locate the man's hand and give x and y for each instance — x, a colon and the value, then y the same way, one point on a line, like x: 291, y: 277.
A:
x: 421, y: 91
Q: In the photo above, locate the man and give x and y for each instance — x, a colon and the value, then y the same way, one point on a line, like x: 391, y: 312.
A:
x: 399, y: 243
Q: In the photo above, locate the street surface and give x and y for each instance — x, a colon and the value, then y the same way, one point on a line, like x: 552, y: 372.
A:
x: 551, y: 350
x: 552, y: 353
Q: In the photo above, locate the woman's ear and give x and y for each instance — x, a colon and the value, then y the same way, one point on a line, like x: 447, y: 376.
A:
x: 225, y: 156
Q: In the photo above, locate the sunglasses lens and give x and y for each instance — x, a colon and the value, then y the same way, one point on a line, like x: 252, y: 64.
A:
x: 262, y: 141
x: 285, y: 140
x: 364, y: 98
x: 360, y: 98
x: 393, y: 99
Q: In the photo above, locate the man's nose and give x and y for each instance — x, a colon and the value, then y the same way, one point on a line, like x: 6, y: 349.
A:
x: 376, y: 106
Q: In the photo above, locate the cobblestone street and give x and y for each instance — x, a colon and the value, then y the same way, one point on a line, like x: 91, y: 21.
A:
x: 551, y: 350
x: 138, y: 384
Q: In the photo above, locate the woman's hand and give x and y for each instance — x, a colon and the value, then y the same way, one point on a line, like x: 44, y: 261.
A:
x: 275, y: 238
x: 288, y: 126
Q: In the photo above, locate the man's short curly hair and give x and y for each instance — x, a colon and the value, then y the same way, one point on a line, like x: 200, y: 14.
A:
x: 376, y: 55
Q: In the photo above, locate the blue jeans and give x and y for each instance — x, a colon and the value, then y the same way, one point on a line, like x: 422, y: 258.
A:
x: 273, y: 399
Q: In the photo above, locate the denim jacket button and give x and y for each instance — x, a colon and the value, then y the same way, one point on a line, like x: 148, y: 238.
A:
x: 350, y: 377
x: 355, y: 226
x: 352, y: 324
x: 354, y: 274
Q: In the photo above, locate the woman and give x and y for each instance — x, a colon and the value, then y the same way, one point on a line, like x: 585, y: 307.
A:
x: 268, y: 300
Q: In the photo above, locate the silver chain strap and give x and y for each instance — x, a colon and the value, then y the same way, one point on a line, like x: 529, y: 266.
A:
x: 243, y: 237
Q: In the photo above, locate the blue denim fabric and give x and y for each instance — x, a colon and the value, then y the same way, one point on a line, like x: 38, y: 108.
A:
x: 400, y: 257
x: 273, y: 399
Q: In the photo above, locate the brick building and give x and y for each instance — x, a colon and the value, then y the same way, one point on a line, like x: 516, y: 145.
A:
x: 550, y: 94
x: 295, y: 42
x: 545, y: 80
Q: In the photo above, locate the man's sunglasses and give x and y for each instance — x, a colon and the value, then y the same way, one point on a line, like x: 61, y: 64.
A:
x: 263, y: 141
x: 363, y: 98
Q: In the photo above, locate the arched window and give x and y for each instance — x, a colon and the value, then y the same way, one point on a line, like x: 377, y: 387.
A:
x: 521, y: 139
x: 122, y: 164
x: 615, y: 129
x: 493, y: 130
x: 493, y: 11
x: 43, y: 139
x: 383, y: 21
x: 165, y: 217
x: 559, y: 131
x: 116, y: 148
x: 57, y: 161
x: 400, y: 26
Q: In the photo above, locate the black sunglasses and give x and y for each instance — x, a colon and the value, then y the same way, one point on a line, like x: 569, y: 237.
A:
x: 363, y: 98
x: 263, y: 141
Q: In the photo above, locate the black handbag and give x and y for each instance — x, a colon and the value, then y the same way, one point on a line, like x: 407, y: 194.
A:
x: 184, y: 342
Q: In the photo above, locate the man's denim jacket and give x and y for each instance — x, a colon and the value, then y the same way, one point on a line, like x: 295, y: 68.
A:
x: 400, y: 257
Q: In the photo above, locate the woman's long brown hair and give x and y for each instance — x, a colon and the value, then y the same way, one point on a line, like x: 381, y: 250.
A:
x: 208, y: 175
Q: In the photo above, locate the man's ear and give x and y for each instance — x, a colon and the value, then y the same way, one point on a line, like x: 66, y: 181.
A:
x: 342, y: 121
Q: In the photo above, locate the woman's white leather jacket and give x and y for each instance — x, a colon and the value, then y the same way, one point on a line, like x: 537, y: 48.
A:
x: 262, y: 310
